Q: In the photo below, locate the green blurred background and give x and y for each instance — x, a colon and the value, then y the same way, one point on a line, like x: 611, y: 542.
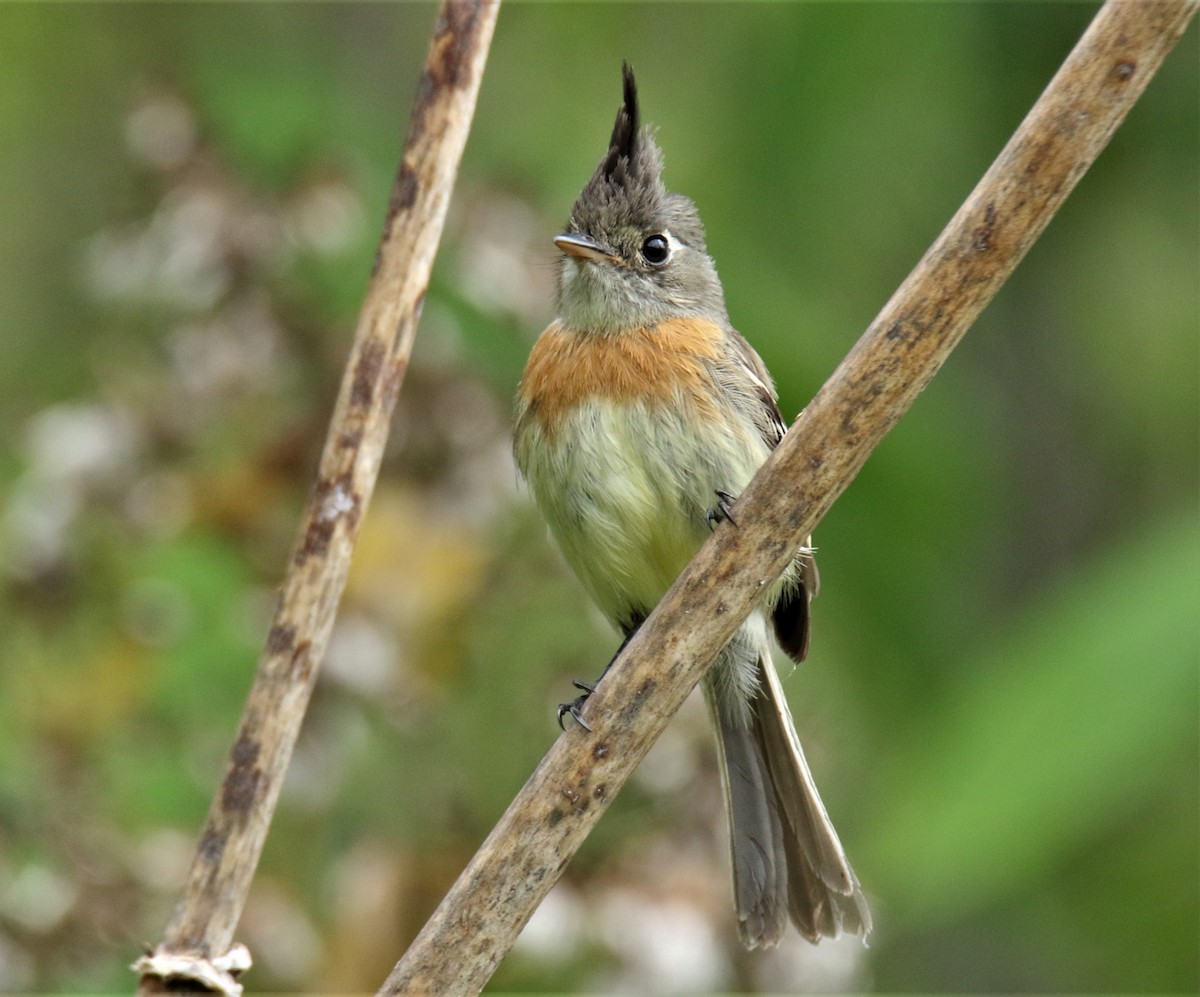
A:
x: 1001, y: 703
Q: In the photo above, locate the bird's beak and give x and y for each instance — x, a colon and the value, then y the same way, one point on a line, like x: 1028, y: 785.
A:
x: 582, y: 248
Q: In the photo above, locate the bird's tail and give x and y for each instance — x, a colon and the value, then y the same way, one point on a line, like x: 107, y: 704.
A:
x: 787, y: 859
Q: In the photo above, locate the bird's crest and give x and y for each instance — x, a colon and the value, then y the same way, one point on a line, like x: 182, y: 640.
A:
x: 626, y: 187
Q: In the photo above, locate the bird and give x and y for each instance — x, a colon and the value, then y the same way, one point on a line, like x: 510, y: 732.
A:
x: 641, y: 415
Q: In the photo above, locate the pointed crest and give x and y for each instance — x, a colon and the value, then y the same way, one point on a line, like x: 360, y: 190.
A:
x: 626, y: 187
x: 623, y: 143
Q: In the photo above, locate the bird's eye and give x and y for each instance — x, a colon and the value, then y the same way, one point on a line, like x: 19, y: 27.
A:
x: 656, y: 249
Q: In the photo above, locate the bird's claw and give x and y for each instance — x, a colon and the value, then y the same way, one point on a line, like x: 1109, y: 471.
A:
x: 575, y: 707
x: 722, y: 510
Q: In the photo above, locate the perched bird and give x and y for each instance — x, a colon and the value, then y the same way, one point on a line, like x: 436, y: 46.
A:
x: 641, y: 414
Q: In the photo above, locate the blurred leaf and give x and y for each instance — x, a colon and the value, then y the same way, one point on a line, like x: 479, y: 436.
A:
x: 206, y: 583
x: 1048, y: 736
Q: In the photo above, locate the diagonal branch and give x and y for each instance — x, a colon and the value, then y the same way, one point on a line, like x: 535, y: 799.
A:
x: 200, y: 932
x: 479, y: 919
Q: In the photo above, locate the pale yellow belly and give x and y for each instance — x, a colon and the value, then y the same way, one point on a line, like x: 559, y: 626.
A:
x: 625, y: 489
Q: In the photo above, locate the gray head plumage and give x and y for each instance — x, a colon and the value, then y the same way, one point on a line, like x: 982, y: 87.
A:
x: 627, y: 187
x: 623, y: 204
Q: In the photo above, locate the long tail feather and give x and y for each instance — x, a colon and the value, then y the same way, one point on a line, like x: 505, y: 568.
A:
x: 787, y: 859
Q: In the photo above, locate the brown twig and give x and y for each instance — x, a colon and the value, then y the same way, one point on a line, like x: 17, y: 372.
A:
x: 522, y: 858
x: 201, y: 930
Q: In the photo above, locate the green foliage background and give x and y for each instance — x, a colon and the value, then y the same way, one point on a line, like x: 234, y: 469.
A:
x: 1002, y: 699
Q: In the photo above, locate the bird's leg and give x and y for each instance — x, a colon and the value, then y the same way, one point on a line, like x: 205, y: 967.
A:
x: 722, y: 510
x: 575, y: 707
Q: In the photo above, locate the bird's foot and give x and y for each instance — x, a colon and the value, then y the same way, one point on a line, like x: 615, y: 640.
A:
x: 722, y: 510
x: 575, y: 707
